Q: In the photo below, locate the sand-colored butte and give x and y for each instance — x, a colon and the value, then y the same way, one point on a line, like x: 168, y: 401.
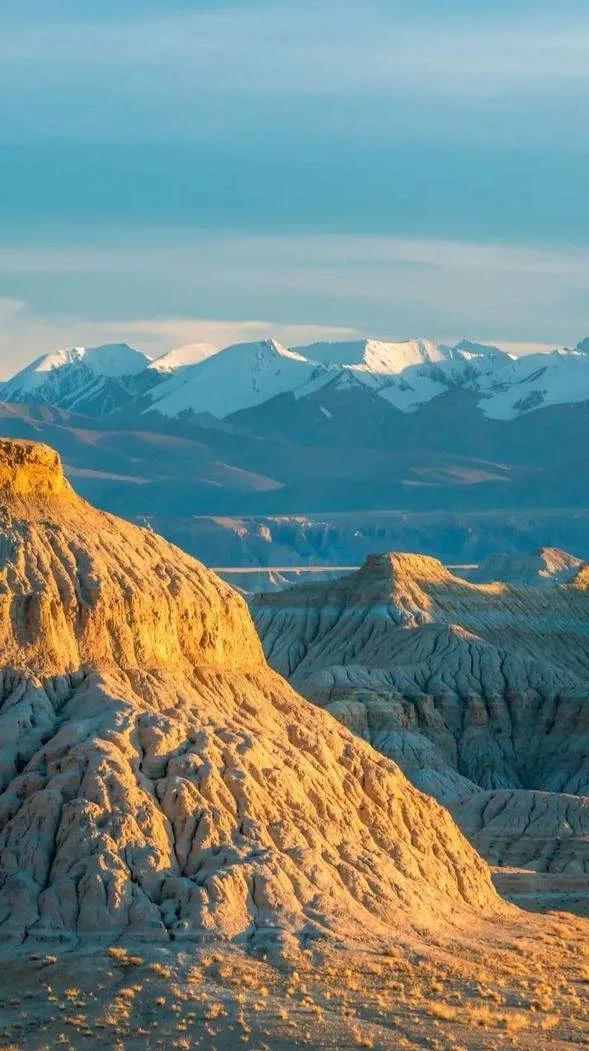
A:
x: 158, y: 778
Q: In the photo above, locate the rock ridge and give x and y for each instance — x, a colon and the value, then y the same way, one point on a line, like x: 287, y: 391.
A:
x: 472, y: 688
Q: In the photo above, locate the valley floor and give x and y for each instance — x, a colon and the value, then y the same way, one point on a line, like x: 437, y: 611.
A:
x: 523, y: 985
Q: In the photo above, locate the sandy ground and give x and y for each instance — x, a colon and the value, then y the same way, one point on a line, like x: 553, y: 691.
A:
x: 523, y: 987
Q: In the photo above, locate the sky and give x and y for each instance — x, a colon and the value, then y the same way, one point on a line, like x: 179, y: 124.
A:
x: 174, y: 171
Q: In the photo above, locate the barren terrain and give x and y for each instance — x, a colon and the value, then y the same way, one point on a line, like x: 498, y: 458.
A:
x: 191, y: 853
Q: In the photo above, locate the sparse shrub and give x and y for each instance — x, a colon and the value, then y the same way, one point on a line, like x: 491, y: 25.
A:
x: 123, y: 956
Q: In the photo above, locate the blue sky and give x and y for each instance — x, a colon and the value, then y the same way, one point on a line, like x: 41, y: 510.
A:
x: 174, y: 171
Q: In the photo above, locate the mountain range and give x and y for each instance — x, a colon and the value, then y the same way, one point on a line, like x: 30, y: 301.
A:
x: 201, y: 378
x: 218, y: 448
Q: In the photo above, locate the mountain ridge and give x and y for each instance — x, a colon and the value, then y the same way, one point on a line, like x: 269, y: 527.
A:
x: 407, y: 373
x: 345, y: 440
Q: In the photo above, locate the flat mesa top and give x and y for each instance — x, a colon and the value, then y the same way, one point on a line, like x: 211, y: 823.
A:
x: 30, y: 469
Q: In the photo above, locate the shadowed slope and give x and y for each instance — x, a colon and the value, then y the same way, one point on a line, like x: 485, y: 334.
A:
x: 540, y: 568
x: 466, y: 686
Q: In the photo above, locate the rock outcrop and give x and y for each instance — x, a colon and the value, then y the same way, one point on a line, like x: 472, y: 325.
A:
x: 158, y: 778
x: 542, y: 831
x: 479, y: 692
x: 539, y: 568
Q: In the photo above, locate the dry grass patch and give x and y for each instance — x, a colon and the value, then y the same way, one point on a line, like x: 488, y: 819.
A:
x: 445, y: 1012
x: 123, y: 957
x: 161, y: 969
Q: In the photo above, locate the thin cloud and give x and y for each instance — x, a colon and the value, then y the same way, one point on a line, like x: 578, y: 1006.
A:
x: 28, y: 337
x: 295, y: 288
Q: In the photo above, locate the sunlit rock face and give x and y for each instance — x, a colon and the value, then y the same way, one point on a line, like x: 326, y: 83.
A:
x: 79, y: 587
x: 479, y: 692
x: 30, y: 471
x: 157, y: 778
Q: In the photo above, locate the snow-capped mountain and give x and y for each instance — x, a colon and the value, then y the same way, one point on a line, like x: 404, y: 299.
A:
x: 375, y: 356
x: 405, y: 373
x: 239, y: 377
x: 466, y: 350
x: 199, y: 378
x: 92, y: 380
x: 473, y: 366
x: 257, y: 428
x: 537, y: 381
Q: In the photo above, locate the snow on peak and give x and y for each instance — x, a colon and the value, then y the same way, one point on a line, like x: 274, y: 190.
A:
x: 267, y: 348
x: 199, y: 378
x: 111, y: 359
x: 78, y: 378
x: 114, y: 359
x: 190, y: 354
x: 374, y: 355
x: 405, y: 373
x: 535, y: 381
x: 54, y: 360
x: 466, y: 350
x: 238, y: 377
x: 36, y: 374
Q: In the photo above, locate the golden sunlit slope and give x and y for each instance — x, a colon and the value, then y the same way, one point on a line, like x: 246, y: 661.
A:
x: 158, y: 778
x: 163, y: 789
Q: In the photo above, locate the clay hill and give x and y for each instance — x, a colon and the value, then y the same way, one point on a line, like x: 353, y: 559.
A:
x: 158, y: 776
x: 479, y: 692
x: 192, y: 855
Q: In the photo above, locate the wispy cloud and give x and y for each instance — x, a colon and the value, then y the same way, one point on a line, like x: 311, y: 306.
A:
x: 382, y: 286
x: 9, y: 309
x: 223, y: 289
x: 175, y: 249
x: 407, y: 169
x: 95, y: 78
x: 329, y: 40
x: 24, y: 337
